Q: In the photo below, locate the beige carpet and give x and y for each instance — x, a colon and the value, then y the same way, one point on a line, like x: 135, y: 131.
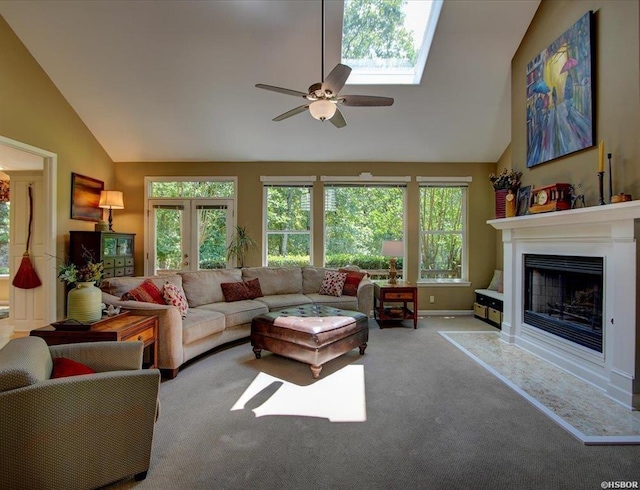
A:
x: 576, y: 405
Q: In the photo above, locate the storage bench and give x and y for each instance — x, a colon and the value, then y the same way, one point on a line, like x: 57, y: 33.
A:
x: 489, y: 306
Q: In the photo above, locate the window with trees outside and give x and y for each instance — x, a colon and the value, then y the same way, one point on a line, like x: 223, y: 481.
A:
x: 443, y: 231
x: 357, y: 219
x: 288, y: 224
x: 190, y: 222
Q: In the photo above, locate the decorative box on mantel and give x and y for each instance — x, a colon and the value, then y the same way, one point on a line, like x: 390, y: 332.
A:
x: 603, y: 242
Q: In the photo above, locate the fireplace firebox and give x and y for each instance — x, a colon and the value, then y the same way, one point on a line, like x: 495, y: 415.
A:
x: 563, y: 296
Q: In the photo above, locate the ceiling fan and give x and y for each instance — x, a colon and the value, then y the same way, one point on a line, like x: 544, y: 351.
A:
x: 323, y: 97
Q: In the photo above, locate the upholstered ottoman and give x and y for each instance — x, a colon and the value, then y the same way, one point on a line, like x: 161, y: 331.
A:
x: 313, y: 334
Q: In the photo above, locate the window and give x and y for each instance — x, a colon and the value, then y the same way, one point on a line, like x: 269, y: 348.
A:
x: 443, y: 230
x: 288, y: 211
x: 190, y: 223
x: 388, y: 41
x: 357, y: 219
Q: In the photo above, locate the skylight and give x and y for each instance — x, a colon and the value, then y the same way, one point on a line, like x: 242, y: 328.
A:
x: 386, y: 42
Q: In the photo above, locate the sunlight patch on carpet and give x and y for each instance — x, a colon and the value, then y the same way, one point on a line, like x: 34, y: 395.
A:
x: 577, y: 406
x: 339, y: 397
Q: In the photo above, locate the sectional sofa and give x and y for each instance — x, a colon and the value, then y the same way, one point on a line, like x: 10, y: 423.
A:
x: 211, y: 321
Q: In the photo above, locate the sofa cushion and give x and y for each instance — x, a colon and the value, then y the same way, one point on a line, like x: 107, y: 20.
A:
x: 203, y: 287
x: 332, y: 283
x: 174, y: 295
x: 352, y: 281
x: 344, y: 302
x: 117, y: 286
x: 276, y: 280
x: 23, y: 362
x: 238, y: 312
x: 312, y: 279
x: 147, y: 292
x: 284, y: 300
x: 200, y: 323
x: 63, y: 367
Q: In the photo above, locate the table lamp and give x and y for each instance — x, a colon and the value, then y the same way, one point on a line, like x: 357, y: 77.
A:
x: 111, y: 200
x: 393, y: 249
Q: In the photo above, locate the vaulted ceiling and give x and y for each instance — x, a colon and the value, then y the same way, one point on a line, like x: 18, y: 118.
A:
x: 174, y: 80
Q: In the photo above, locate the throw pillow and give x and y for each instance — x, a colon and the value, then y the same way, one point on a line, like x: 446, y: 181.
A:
x: 495, y: 281
x: 333, y: 283
x: 352, y: 281
x: 255, y: 291
x: 63, y: 367
x: 235, y: 291
x: 174, y: 295
x: 147, y: 292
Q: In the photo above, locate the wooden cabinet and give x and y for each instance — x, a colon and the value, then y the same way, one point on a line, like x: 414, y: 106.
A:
x: 488, y: 306
x: 114, y: 250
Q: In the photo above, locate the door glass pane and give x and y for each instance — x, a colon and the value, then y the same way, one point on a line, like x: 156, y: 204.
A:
x: 212, y: 237
x: 168, y: 240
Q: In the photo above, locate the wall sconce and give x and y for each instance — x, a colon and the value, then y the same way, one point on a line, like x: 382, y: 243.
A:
x: 111, y: 200
x: 393, y: 249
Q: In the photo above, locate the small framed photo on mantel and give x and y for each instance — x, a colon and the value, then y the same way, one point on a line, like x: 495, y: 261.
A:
x: 524, y: 195
x: 85, y: 198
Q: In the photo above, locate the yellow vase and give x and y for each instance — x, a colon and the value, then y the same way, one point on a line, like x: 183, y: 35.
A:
x: 84, y: 303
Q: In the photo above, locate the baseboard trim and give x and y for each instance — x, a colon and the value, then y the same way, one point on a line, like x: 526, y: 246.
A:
x: 445, y: 312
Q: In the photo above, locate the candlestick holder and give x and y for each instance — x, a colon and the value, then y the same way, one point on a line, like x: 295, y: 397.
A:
x: 600, y: 188
x: 610, y: 178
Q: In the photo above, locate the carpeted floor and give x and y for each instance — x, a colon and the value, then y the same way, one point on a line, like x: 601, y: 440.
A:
x: 576, y: 405
x: 434, y: 419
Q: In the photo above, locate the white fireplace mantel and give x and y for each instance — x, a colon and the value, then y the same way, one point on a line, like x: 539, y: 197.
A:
x: 608, y: 231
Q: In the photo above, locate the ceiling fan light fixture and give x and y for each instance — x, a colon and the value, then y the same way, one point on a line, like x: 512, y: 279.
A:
x: 322, y: 109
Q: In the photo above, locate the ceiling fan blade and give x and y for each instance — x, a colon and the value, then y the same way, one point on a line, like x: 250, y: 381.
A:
x: 292, y: 112
x: 365, y: 100
x: 336, y: 79
x: 281, y: 90
x: 338, y: 119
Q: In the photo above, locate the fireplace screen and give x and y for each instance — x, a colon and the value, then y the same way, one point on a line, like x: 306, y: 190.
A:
x: 563, y: 296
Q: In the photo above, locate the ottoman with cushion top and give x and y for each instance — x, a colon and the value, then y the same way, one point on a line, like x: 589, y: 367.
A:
x: 313, y: 334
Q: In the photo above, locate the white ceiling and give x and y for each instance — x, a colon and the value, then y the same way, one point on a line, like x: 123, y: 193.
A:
x: 174, y: 80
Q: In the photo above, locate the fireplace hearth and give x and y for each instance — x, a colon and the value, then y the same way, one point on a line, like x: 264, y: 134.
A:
x: 563, y: 296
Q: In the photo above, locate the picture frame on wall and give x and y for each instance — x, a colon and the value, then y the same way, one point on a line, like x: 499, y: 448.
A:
x: 85, y: 198
x: 524, y: 196
x: 560, y: 95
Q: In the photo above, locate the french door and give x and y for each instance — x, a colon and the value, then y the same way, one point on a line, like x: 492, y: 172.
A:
x: 188, y: 234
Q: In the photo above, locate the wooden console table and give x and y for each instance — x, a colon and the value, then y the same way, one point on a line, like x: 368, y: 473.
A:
x: 402, y: 292
x: 121, y: 328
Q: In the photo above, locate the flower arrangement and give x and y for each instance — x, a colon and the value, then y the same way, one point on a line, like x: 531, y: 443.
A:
x: 507, y: 179
x: 70, y: 274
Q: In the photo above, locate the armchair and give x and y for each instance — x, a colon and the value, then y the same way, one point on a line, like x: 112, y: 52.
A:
x: 75, y: 432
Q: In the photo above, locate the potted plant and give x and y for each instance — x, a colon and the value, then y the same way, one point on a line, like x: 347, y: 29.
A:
x: 240, y: 245
x: 84, y: 301
x: 506, y: 182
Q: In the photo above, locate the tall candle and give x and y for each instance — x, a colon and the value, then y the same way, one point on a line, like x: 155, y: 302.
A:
x: 601, y: 157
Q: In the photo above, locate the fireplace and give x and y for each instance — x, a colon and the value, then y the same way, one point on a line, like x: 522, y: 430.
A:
x: 571, y: 292
x: 563, y: 296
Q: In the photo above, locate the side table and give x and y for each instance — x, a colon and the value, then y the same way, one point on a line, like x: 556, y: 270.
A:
x: 121, y: 328
x: 402, y: 292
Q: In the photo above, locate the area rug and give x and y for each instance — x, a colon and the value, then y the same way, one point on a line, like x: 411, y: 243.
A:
x: 577, y: 406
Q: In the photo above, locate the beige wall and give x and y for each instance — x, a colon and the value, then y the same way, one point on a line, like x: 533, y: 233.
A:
x: 482, y: 238
x: 34, y: 112
x: 617, y: 95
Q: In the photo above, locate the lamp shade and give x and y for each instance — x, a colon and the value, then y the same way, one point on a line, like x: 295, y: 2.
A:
x: 111, y: 200
x: 393, y: 248
x: 322, y: 109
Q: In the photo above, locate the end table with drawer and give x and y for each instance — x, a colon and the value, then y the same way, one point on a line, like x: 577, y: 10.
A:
x: 124, y: 327
x: 387, y: 298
